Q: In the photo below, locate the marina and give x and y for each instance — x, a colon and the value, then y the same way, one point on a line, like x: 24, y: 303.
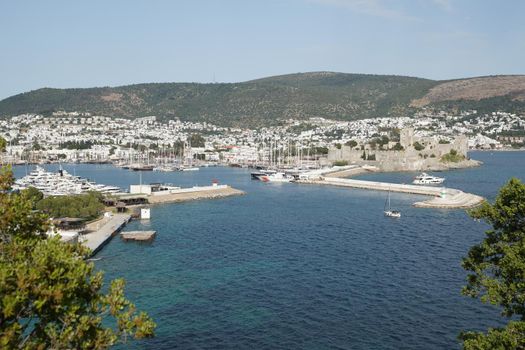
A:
x: 261, y: 254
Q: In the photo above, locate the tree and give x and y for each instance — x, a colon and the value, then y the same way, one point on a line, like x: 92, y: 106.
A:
x: 351, y: 143
x: 33, y: 195
x: 50, y: 296
x: 496, y: 268
x: 418, y: 146
x: 397, y: 147
x: 3, y: 144
x: 196, y: 140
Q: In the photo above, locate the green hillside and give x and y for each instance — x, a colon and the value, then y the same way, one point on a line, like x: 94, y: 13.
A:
x: 254, y: 103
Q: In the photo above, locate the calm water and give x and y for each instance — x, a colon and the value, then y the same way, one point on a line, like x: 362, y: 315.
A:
x: 303, y: 267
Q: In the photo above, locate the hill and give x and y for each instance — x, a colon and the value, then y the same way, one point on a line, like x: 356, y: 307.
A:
x: 267, y: 101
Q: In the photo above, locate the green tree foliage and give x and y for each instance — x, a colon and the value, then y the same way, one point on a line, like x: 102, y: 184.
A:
x: 196, y: 140
x: 340, y: 163
x: 418, y: 146
x: 452, y: 157
x: 496, y: 268
x: 37, y: 147
x: 76, y: 145
x: 397, y: 147
x: 320, y: 150
x: 87, y: 205
x: 50, y: 297
x: 3, y: 144
x: 351, y: 143
x: 383, y: 141
x: 33, y: 195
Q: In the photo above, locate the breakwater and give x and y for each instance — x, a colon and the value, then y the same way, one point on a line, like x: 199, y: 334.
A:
x: 442, y: 197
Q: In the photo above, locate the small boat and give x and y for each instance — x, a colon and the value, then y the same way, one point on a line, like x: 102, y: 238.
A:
x: 141, y: 167
x: 426, y: 179
x: 190, y: 169
x: 388, y: 210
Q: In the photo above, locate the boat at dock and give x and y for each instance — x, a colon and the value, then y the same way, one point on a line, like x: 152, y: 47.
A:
x: 426, y: 179
x: 277, y: 177
x: 189, y: 169
x: 256, y: 175
x: 61, y: 183
x: 142, y: 167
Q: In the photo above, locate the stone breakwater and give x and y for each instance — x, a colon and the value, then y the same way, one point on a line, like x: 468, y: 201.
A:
x: 443, y: 197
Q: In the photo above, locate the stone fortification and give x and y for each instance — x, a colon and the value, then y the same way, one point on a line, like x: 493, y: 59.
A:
x: 408, y: 159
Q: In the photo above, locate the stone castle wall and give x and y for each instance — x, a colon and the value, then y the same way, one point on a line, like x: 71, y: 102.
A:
x: 407, y: 160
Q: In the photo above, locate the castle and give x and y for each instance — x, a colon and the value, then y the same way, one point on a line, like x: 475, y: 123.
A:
x: 417, y: 154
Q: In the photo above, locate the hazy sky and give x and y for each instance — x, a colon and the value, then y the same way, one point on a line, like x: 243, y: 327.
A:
x: 75, y: 43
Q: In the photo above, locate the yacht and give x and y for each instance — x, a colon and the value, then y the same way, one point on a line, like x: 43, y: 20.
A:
x: 426, y: 179
x: 256, y: 175
x: 190, y: 168
x: 61, y: 183
x: 277, y: 177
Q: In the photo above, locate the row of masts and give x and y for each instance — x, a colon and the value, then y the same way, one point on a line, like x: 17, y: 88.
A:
x: 269, y: 154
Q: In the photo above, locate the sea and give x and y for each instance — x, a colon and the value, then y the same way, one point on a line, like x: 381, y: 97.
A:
x: 291, y: 266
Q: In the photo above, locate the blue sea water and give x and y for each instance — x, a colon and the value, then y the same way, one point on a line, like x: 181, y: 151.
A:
x: 291, y: 266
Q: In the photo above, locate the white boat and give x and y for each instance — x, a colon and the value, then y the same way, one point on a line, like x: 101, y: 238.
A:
x: 61, y: 183
x: 388, y: 210
x: 165, y: 168
x: 277, y: 177
x: 426, y: 179
x: 190, y: 169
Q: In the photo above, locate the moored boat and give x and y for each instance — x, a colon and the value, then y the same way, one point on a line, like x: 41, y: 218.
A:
x: 426, y: 179
x: 277, y: 177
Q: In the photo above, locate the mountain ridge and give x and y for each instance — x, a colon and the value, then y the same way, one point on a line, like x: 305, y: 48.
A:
x: 269, y: 100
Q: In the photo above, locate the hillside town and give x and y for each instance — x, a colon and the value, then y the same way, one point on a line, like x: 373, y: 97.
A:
x: 82, y: 137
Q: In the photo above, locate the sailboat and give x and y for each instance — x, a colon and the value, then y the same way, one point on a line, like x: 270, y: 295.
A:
x: 388, y: 210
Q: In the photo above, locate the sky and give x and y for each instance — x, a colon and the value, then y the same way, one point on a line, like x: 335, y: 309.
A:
x: 74, y: 43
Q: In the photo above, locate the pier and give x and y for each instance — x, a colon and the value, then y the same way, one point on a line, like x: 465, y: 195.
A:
x: 192, y: 193
x: 103, y: 231
x: 443, y: 197
x: 141, y: 236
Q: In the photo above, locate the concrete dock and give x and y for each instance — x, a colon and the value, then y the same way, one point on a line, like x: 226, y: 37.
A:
x: 194, y: 193
x: 442, y: 197
x: 102, y: 231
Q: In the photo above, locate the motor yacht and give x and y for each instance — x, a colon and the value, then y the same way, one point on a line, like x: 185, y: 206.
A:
x: 277, y: 177
x: 426, y: 179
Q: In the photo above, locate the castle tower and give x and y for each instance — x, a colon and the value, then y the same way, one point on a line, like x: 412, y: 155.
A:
x: 406, y: 137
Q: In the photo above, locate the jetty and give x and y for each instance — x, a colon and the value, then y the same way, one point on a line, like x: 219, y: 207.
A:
x: 442, y: 197
x: 141, y: 236
x: 101, y: 232
x: 158, y: 194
